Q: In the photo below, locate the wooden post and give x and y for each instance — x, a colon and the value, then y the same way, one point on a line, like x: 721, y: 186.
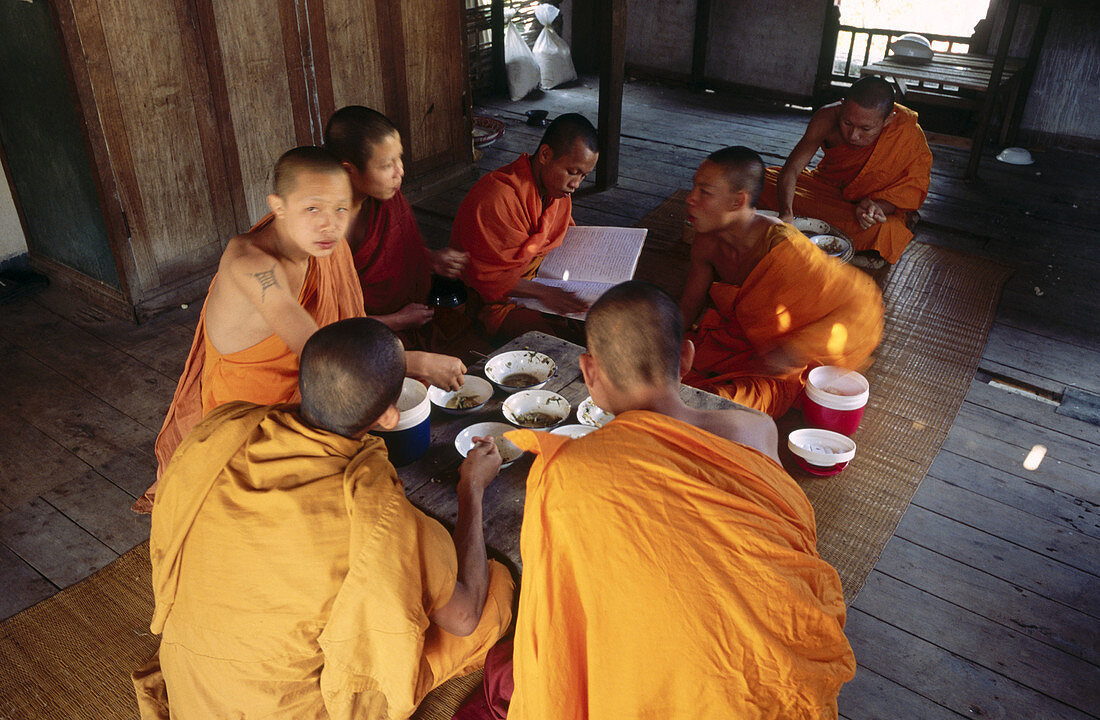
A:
x: 496, y: 28
x: 612, y: 75
x: 1023, y: 83
x: 824, y: 81
x: 986, y: 112
x: 699, y: 45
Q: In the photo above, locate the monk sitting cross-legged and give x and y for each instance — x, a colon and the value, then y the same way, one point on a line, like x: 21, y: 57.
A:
x: 393, y: 263
x: 670, y: 567
x: 875, y: 172
x: 276, y: 284
x: 513, y: 217
x: 293, y: 578
x: 773, y: 304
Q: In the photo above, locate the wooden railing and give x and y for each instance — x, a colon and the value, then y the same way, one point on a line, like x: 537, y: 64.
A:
x: 857, y: 47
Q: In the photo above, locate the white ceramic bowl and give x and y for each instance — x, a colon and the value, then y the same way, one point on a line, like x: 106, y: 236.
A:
x: 471, y: 397
x: 573, y: 431
x: 536, y: 409
x: 805, y: 225
x: 509, y: 451
x: 502, y: 369
x: 589, y: 413
x: 1015, y: 156
x: 835, y: 246
x: 912, y: 47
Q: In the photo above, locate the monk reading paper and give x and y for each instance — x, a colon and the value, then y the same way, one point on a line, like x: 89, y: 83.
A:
x: 393, y: 263
x: 513, y: 217
x: 670, y: 567
x: 292, y: 577
x: 769, y: 304
x: 276, y: 284
x: 875, y: 171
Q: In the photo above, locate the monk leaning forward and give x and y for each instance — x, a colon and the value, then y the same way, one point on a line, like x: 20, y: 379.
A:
x: 670, y: 567
x: 276, y: 284
x: 513, y: 217
x: 393, y: 264
x: 769, y: 304
x: 292, y: 577
x: 875, y: 171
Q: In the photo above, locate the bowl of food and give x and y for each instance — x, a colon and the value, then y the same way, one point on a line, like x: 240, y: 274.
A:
x: 573, y: 431
x: 835, y: 246
x: 509, y: 451
x: 486, y: 130
x: 589, y: 413
x: 821, y: 452
x: 536, y: 409
x: 805, y: 225
x: 520, y: 370
x: 472, y: 396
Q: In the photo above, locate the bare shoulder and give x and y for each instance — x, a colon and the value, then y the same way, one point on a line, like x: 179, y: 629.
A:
x: 824, y: 120
x: 743, y: 426
x: 248, y: 254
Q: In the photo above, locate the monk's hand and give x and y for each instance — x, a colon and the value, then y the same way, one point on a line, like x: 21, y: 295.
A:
x: 561, y: 301
x: 443, y: 371
x: 449, y: 262
x: 869, y: 212
x: 413, y: 315
x: 481, y: 465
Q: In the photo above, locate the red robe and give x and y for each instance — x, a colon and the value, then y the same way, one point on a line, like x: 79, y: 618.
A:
x: 393, y: 264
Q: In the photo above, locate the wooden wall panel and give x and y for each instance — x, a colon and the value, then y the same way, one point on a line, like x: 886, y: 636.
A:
x: 355, y: 58
x: 435, y: 66
x: 166, y: 194
x: 251, y: 41
x: 660, y: 35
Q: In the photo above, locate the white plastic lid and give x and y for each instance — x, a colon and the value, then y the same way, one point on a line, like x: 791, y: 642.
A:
x: 821, y: 447
x: 837, y: 388
x: 413, y: 404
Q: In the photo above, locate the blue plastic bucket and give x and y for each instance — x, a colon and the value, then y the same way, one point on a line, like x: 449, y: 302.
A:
x: 412, y: 435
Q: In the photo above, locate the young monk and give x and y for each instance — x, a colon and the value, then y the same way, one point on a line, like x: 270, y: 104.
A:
x: 778, y: 305
x: 292, y: 577
x: 513, y: 217
x: 875, y: 172
x: 393, y: 264
x: 276, y: 284
x: 670, y: 567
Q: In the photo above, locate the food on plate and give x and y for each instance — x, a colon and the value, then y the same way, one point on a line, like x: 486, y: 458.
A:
x: 519, y: 379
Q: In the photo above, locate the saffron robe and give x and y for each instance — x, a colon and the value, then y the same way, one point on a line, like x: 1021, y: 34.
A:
x: 393, y: 263
x: 821, y: 311
x: 682, y: 581
x: 293, y: 579
x: 506, y: 230
x: 896, y: 168
x: 267, y: 372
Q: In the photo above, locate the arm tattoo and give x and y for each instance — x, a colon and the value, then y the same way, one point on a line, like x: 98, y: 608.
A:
x: 266, y: 280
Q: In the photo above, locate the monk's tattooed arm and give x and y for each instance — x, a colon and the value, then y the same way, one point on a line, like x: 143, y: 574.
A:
x: 266, y: 280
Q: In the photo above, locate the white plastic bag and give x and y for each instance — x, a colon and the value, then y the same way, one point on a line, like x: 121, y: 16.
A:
x: 552, y: 53
x: 519, y: 61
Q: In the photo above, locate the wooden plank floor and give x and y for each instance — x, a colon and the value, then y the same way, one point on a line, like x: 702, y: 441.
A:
x: 984, y: 604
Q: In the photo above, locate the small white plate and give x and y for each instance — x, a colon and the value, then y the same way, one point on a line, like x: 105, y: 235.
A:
x: 589, y: 413
x: 539, y: 367
x: 509, y: 451
x: 573, y: 431
x: 471, y: 397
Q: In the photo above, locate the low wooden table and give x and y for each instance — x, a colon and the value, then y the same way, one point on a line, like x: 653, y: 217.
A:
x: 430, y: 481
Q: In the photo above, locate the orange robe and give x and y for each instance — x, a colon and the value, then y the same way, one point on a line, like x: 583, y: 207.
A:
x: 267, y: 372
x: 293, y: 579
x: 896, y: 168
x: 503, y: 225
x: 820, y: 311
x: 393, y: 264
x: 679, y: 582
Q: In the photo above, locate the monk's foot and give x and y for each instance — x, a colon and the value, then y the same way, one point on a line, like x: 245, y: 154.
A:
x: 868, y: 260
x: 911, y: 220
x: 143, y: 505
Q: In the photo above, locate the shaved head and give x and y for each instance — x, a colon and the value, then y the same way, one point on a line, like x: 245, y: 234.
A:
x: 635, y: 331
x: 351, y: 371
x: 564, y: 132
x: 743, y: 168
x: 299, y: 160
x: 872, y: 93
x: 353, y: 131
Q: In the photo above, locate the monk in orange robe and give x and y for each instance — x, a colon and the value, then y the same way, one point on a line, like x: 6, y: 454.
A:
x: 293, y: 578
x: 778, y: 305
x: 513, y: 217
x: 670, y: 567
x: 874, y: 175
x: 394, y: 265
x: 276, y: 284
